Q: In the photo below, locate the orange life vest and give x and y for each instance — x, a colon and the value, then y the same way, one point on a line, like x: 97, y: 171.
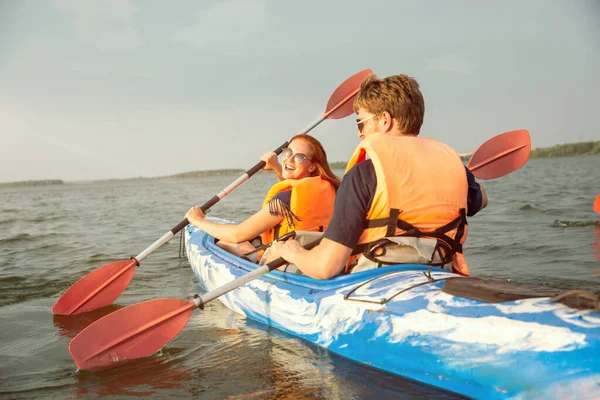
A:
x: 421, y: 192
x: 311, y: 203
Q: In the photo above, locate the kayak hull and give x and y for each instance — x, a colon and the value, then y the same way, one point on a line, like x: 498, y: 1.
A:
x: 396, y: 320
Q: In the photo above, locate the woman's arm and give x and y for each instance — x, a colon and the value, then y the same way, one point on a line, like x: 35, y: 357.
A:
x: 235, y: 233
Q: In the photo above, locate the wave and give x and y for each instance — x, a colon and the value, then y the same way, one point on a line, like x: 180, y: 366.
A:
x: 527, y: 207
x: 21, y: 237
x: 26, y: 237
x: 569, y: 224
x: 17, y: 289
x: 46, y: 218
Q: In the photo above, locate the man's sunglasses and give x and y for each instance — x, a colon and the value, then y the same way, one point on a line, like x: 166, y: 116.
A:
x: 361, y: 123
x: 298, y: 157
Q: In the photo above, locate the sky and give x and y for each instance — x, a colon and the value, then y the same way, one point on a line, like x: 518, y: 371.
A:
x: 120, y: 88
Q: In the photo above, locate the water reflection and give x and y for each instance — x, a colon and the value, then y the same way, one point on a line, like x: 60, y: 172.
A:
x: 70, y: 325
x: 300, y: 370
x: 164, y: 371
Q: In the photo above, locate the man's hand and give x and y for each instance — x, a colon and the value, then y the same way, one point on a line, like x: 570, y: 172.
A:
x: 286, y: 249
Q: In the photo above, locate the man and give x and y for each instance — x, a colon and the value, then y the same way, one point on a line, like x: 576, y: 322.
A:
x: 407, y: 202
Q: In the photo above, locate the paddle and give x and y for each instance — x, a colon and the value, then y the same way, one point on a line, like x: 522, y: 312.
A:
x: 597, y: 204
x: 104, y: 285
x: 502, y: 154
x: 142, y: 329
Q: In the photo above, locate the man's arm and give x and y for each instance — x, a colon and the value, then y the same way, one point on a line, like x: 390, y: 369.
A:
x: 484, y: 199
x: 325, y: 261
x: 477, y: 199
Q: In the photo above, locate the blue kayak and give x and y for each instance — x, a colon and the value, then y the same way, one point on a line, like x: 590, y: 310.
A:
x: 402, y: 320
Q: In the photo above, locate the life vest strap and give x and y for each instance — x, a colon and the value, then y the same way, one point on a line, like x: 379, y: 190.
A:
x: 377, y: 223
x: 447, y: 246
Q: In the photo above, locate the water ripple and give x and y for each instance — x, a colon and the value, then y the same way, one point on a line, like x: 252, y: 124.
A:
x: 569, y: 224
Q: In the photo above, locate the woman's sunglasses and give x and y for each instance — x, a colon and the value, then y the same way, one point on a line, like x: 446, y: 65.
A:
x: 298, y: 157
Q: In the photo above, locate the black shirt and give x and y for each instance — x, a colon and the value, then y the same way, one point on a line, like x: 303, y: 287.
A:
x: 354, y: 198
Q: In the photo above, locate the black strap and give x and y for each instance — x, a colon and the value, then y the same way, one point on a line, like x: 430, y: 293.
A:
x: 276, y: 231
x: 390, y: 221
x: 376, y: 223
x: 256, y: 250
x: 391, y: 228
x: 451, y: 245
x: 460, y: 231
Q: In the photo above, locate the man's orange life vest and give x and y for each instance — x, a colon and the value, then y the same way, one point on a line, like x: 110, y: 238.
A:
x: 311, y: 206
x: 421, y: 192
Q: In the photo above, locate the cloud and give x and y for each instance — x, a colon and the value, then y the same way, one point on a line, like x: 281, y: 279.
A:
x: 229, y: 28
x: 107, y: 24
x: 452, y: 62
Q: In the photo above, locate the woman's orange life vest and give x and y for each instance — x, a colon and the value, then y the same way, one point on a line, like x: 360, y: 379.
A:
x: 421, y: 192
x: 311, y: 206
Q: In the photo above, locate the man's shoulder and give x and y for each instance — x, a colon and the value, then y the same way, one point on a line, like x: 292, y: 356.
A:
x: 360, y: 179
x: 361, y: 169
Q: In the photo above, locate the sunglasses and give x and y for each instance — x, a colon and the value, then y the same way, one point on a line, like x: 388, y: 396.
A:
x: 361, y: 123
x: 298, y: 158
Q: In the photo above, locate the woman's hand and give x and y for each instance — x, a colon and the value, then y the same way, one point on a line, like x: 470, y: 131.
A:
x: 271, y: 162
x: 195, y: 215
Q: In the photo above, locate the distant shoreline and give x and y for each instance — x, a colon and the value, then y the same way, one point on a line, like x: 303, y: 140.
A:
x: 199, y: 174
x: 43, y: 182
x: 560, y: 150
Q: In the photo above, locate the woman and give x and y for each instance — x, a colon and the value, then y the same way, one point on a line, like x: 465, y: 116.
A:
x: 302, y: 200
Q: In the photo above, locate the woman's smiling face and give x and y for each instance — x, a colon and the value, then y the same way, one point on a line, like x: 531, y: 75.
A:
x: 293, y: 169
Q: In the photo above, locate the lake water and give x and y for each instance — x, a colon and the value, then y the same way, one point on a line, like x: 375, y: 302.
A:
x: 538, y: 228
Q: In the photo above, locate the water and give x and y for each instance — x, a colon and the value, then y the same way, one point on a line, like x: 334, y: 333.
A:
x: 539, y: 228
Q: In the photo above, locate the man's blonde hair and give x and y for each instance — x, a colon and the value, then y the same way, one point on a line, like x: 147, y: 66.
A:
x: 399, y: 95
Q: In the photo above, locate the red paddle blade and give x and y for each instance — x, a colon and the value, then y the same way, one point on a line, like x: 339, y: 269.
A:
x: 97, y: 289
x: 501, y: 155
x: 132, y: 332
x: 341, y: 102
x: 597, y: 204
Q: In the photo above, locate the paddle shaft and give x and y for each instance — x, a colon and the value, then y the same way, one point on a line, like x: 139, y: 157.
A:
x: 216, y: 198
x: 257, y: 273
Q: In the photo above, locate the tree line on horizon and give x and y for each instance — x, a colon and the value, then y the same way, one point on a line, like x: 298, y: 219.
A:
x: 32, y: 183
x: 560, y: 150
